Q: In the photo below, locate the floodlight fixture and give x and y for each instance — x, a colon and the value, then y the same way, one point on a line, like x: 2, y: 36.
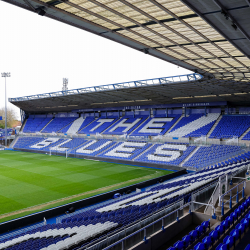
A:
x: 5, y: 74
x: 65, y: 84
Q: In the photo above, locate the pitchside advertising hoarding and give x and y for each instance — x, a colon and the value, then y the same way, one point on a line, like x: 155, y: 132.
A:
x: 1, y: 118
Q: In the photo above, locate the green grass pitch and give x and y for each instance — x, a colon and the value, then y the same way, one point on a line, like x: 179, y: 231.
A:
x: 41, y: 181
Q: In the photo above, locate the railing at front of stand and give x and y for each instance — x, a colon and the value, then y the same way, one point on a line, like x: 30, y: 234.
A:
x: 152, y: 139
x: 240, y: 189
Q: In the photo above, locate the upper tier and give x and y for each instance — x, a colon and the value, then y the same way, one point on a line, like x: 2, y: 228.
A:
x: 174, y: 125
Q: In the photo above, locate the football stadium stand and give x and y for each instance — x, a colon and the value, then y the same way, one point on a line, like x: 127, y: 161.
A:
x: 34, y: 125
x: 194, y: 125
x: 230, y: 126
x: 139, y: 151
x: 204, y: 155
x: 57, y: 124
x: 197, y: 125
x: 171, y: 140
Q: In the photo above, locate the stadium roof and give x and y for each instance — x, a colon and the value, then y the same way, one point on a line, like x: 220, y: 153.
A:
x: 209, y: 37
x: 169, y: 90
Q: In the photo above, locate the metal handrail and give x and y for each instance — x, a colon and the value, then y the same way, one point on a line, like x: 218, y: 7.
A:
x: 206, y: 204
x: 211, y: 198
x: 221, y: 198
x: 144, y: 228
x: 232, y: 189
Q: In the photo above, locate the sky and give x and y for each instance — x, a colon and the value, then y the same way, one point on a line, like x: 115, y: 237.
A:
x: 39, y: 52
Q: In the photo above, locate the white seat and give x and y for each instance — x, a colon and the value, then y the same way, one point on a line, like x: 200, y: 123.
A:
x: 51, y: 247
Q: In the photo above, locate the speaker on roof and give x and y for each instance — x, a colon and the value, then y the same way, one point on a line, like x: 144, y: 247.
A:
x: 41, y: 11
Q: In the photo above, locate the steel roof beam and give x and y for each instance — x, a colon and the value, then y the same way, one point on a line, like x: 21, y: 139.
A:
x: 137, y: 23
x: 186, y: 44
x: 232, y: 19
x: 197, y: 32
x: 172, y: 30
x: 126, y: 85
x: 218, y: 30
x: 131, y: 20
x: 162, y: 21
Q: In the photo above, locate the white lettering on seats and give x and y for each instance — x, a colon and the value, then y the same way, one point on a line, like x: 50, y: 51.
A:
x: 126, y: 149
x: 167, y: 155
x: 100, y: 123
x: 83, y: 149
x: 154, y: 124
x: 58, y: 147
x: 45, y: 143
x: 127, y: 126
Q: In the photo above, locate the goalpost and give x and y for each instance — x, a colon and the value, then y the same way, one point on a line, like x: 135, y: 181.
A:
x: 67, y: 151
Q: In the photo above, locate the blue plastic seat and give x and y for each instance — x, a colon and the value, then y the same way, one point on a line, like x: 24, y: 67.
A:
x: 235, y: 215
x: 186, y: 240
x: 236, y: 234
x: 225, y: 224
x: 245, y: 205
x: 214, y: 235
x: 246, y: 221
x: 220, y: 229
x: 221, y: 247
x: 206, y: 224
x: 240, y: 227
x: 242, y: 208
x: 200, y: 229
x: 179, y: 245
x: 238, y: 211
x: 229, y: 241
x: 247, y: 247
x: 230, y: 220
x: 207, y: 241
x: 193, y: 234
x: 199, y: 246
